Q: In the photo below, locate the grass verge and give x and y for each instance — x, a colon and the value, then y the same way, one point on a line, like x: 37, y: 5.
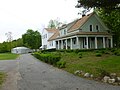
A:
x: 8, y: 56
x: 2, y: 78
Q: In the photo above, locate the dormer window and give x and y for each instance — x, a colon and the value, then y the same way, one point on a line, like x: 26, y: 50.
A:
x: 64, y: 31
x: 97, y: 28
x: 91, y: 28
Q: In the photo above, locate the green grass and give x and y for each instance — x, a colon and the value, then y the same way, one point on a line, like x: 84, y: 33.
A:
x: 91, y: 63
x: 2, y: 78
x: 8, y: 56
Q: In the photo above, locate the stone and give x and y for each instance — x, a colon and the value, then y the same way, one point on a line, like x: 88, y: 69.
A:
x: 113, y: 75
x: 118, y: 79
x: 106, y: 78
x: 111, y: 80
x: 86, y: 75
x: 82, y: 73
x: 77, y: 72
x: 91, y: 75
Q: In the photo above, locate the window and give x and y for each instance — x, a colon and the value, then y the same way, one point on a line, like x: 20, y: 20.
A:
x: 64, y: 31
x: 46, y: 35
x: 52, y: 43
x: 91, y: 28
x: 97, y: 28
x: 61, y: 33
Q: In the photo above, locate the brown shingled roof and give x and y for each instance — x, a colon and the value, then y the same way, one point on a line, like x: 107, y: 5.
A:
x: 80, y: 22
x: 54, y: 36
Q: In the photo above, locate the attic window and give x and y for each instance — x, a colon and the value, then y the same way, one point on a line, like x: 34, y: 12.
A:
x: 91, y: 28
x: 97, y: 28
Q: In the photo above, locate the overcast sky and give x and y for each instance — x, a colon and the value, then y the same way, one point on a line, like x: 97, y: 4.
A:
x: 17, y: 16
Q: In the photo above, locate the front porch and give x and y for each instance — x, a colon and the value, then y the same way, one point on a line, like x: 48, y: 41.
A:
x: 85, y: 42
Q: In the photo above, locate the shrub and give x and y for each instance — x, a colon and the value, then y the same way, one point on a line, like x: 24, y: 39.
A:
x: 98, y: 54
x: 48, y: 58
x: 76, y: 50
x: 61, y: 64
x: 80, y: 55
x: 113, y: 49
x: 97, y: 51
x: 117, y: 53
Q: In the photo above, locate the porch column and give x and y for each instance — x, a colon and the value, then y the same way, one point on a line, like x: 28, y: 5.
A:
x: 96, y: 43
x: 107, y: 42
x: 61, y: 44
x: 87, y: 42
x: 111, y: 42
x: 66, y: 44
x: 58, y: 45
x: 71, y: 43
x: 103, y: 42
x: 77, y: 42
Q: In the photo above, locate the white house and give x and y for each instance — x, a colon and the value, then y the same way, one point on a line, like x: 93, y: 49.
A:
x: 46, y: 35
x: 88, y: 32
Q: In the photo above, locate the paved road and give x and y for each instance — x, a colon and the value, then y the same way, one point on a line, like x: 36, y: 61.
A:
x: 31, y: 74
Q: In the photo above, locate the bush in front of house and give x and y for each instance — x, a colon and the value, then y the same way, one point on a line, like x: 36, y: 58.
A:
x: 80, y: 55
x: 116, y: 52
x: 61, y: 64
x: 48, y: 58
x: 98, y: 54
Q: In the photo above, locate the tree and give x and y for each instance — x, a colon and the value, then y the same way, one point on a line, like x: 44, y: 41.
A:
x: 108, y: 5
x: 112, y: 20
x: 9, y: 39
x: 54, y: 23
x: 17, y: 43
x: 32, y: 39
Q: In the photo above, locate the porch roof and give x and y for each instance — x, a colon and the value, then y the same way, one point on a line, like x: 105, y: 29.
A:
x: 84, y: 33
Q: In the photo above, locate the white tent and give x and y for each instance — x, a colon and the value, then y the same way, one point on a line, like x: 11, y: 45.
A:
x: 21, y: 50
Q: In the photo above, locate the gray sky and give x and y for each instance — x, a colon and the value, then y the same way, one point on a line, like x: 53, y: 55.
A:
x: 17, y: 16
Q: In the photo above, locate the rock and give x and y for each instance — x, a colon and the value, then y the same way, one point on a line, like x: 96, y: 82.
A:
x: 113, y: 75
x: 77, y: 72
x: 86, y: 75
x: 82, y: 73
x: 106, y: 78
x: 111, y: 80
x: 118, y: 79
x: 91, y: 75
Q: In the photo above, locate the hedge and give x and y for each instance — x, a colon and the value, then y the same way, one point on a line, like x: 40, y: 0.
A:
x: 48, y: 58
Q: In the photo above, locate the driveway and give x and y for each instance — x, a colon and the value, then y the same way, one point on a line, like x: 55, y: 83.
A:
x: 28, y: 73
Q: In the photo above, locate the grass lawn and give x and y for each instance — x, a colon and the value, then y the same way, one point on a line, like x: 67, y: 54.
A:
x: 2, y: 78
x: 91, y: 63
x: 8, y: 56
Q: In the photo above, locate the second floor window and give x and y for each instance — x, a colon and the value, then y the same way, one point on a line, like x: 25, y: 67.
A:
x: 91, y: 28
x: 97, y: 28
x: 64, y: 31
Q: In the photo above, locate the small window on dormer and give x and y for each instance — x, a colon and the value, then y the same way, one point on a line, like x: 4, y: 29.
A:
x: 97, y: 28
x: 64, y: 31
x: 91, y: 28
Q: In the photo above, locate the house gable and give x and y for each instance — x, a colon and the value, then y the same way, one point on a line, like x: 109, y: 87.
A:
x: 94, y: 24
